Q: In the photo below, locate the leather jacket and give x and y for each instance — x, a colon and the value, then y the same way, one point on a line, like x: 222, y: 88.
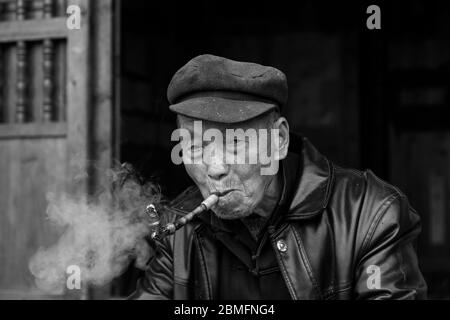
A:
x: 346, y: 235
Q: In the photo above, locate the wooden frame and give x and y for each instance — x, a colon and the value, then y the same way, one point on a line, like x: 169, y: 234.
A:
x: 33, y: 29
x: 33, y: 130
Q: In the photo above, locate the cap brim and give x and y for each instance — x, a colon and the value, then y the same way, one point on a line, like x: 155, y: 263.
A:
x: 221, y: 110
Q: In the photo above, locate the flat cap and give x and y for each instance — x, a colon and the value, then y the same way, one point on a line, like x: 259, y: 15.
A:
x: 217, y: 89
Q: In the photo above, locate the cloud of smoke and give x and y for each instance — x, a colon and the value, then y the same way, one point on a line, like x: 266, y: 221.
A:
x: 102, y: 233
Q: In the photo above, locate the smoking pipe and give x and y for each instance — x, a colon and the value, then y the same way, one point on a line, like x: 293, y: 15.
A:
x: 161, y: 232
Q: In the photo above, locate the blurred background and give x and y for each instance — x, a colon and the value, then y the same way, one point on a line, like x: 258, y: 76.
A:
x: 375, y: 99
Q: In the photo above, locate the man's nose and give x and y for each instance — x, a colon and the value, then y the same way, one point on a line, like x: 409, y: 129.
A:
x: 216, y: 166
x: 217, y: 171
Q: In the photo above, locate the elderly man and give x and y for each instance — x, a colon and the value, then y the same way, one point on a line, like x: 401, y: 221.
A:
x: 306, y: 229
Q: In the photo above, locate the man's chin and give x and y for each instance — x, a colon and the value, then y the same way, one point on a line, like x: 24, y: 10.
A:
x: 230, y: 214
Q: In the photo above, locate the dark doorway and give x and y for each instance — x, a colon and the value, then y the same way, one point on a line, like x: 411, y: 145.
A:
x: 346, y: 90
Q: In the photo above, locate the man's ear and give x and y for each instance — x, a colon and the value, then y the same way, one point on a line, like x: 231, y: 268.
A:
x: 283, y: 137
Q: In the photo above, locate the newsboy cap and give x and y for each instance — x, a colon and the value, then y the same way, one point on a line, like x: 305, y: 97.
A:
x: 222, y: 90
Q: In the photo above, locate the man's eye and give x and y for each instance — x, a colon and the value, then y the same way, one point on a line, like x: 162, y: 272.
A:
x: 237, y: 141
x: 235, y: 145
x: 195, y: 148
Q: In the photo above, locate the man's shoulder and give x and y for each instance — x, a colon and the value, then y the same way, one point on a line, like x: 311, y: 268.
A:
x: 366, y: 198
x: 367, y: 207
x: 365, y: 184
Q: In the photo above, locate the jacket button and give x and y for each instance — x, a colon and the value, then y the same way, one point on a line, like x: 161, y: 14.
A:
x: 281, y: 246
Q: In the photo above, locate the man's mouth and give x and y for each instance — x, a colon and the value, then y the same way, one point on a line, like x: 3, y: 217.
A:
x: 223, y: 193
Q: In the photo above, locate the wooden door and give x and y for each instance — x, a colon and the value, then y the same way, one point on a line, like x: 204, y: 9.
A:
x: 56, y: 105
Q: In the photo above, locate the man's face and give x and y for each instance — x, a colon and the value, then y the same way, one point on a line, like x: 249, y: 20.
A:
x: 244, y: 182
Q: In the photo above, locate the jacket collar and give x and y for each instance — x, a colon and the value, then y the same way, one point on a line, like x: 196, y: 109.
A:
x: 309, y: 177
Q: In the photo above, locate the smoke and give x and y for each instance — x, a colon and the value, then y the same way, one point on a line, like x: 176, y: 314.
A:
x: 101, y: 234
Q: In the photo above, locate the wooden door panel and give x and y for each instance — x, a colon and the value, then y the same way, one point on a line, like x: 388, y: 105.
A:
x: 30, y: 169
x: 49, y: 76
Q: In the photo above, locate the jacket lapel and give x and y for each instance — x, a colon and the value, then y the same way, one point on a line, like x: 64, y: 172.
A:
x: 294, y: 265
x: 308, y: 176
x: 207, y: 271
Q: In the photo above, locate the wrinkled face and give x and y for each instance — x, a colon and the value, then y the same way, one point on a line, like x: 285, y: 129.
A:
x: 243, y: 184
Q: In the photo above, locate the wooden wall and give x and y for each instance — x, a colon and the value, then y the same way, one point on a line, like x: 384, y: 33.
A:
x: 56, y: 116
